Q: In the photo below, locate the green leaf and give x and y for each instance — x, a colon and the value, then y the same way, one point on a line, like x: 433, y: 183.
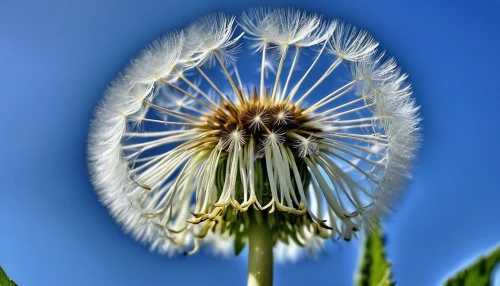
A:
x: 374, y: 269
x: 478, y: 273
x: 239, y: 243
x: 4, y: 280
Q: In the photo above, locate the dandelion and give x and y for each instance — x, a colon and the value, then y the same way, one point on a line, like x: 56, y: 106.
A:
x: 184, y: 156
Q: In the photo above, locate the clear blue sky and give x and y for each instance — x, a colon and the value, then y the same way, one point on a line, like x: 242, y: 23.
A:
x: 57, y: 58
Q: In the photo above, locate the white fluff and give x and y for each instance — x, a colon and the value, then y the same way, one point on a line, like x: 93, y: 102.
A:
x: 157, y: 60
x: 211, y: 34
x: 284, y: 26
x: 350, y: 43
x: 154, y: 180
x: 388, y: 90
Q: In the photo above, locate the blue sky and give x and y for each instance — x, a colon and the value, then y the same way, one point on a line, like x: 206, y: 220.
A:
x: 57, y: 58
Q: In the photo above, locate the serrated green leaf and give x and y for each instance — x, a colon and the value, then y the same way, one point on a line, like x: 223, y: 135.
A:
x: 478, y: 273
x: 4, y: 279
x: 374, y: 269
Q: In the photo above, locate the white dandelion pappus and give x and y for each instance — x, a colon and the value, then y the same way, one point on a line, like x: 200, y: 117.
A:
x: 179, y: 167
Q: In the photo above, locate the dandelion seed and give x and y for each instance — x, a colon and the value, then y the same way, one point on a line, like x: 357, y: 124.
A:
x: 180, y: 168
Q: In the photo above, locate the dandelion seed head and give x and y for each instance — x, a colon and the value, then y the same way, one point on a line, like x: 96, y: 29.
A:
x: 350, y: 43
x: 184, y: 151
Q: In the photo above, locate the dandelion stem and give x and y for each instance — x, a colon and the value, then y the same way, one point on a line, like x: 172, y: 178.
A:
x: 260, y: 253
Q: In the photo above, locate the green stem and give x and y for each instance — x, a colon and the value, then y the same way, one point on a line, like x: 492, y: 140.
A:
x: 260, y: 254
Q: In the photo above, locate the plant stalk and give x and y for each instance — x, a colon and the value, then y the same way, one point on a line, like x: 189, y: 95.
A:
x: 260, y: 253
